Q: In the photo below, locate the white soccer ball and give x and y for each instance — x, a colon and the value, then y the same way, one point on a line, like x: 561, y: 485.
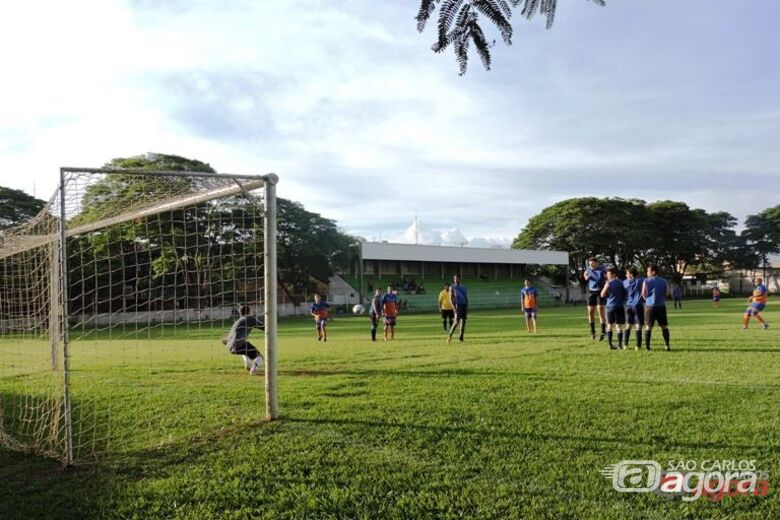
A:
x: 358, y: 309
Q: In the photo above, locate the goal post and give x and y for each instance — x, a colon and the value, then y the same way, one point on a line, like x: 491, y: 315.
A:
x: 128, y: 279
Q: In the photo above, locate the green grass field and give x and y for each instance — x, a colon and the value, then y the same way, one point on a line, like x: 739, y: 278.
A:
x: 502, y: 426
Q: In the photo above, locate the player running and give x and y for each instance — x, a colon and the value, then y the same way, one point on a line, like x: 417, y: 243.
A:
x: 375, y: 312
x: 530, y: 306
x: 654, y: 292
x: 596, y: 278
x: 320, y: 310
x: 237, y: 340
x: 757, y: 302
x: 446, y: 308
x: 460, y: 300
x: 615, y: 293
x: 635, y: 310
x: 389, y: 312
x: 715, y: 297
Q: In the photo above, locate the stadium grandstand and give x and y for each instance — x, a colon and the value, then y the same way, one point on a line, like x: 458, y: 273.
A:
x: 493, y: 276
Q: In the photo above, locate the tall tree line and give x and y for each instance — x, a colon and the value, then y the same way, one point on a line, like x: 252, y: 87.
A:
x: 670, y: 234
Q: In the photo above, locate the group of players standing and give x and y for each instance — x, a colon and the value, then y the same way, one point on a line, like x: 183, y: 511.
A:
x: 637, y: 303
x: 622, y: 304
x: 453, y: 304
x: 641, y: 303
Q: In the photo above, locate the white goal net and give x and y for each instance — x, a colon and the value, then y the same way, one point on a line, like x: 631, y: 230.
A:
x: 113, y: 304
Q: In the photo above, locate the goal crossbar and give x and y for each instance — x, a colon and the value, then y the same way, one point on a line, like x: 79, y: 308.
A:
x: 17, y: 243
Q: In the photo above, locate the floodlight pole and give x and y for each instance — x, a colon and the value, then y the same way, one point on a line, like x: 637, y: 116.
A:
x: 63, y: 267
x: 269, y: 261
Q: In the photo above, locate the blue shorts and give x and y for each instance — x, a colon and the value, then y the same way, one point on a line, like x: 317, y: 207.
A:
x: 320, y: 324
x: 529, y: 312
x: 755, y: 308
x: 716, y: 298
x: 389, y: 321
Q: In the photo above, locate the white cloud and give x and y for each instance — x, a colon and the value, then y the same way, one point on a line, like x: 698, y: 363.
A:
x: 364, y: 124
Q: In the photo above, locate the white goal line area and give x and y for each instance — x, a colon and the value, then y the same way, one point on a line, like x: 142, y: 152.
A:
x: 132, y: 270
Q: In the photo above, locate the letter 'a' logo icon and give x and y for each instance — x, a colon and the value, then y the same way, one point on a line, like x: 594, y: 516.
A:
x: 634, y: 476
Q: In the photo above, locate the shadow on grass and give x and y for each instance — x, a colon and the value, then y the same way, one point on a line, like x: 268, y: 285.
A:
x: 595, y: 377
x: 32, y: 486
x: 36, y: 487
x: 482, y: 433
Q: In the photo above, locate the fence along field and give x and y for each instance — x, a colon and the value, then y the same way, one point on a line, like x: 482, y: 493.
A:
x: 115, y: 282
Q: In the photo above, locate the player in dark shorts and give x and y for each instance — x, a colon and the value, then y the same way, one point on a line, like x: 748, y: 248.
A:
x: 595, y: 274
x: 460, y: 300
x: 615, y: 294
x: 677, y: 297
x: 654, y: 292
x: 375, y: 312
x: 635, y: 310
x: 446, y: 308
x: 237, y: 340
x: 529, y: 303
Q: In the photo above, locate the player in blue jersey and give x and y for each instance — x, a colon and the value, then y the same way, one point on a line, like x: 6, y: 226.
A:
x: 654, y: 291
x: 320, y: 311
x: 615, y: 294
x: 460, y: 300
x: 635, y: 309
x: 677, y: 297
x: 595, y: 275
x: 529, y: 302
x: 375, y: 311
x: 757, y: 303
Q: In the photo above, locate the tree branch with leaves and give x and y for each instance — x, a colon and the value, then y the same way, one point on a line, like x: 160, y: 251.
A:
x: 459, y: 23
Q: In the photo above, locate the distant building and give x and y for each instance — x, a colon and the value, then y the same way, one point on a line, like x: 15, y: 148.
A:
x: 416, y: 269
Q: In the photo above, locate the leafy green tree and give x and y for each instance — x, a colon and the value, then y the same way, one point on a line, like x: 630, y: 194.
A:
x: 17, y: 207
x: 589, y: 226
x: 160, y: 162
x: 309, y: 246
x: 459, y: 23
x: 626, y: 232
x: 684, y: 238
x: 762, y: 235
x: 166, y: 249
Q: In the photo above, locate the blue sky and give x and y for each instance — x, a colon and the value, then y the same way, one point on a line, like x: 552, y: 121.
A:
x: 364, y: 124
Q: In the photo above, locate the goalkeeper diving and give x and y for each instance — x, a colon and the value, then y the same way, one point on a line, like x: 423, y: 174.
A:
x: 237, y: 340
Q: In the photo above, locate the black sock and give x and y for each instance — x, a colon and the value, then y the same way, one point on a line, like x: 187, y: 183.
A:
x: 639, y: 338
x: 444, y: 323
x: 603, y: 328
x: 373, y: 334
x: 609, y: 337
x: 628, y: 335
x: 620, y: 339
x: 648, y: 333
x: 665, y: 333
x: 592, y: 329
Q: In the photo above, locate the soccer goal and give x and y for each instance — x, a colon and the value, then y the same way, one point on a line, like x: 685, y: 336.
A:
x: 114, y: 300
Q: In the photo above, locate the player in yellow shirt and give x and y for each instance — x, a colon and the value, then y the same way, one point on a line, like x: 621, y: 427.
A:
x: 446, y: 308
